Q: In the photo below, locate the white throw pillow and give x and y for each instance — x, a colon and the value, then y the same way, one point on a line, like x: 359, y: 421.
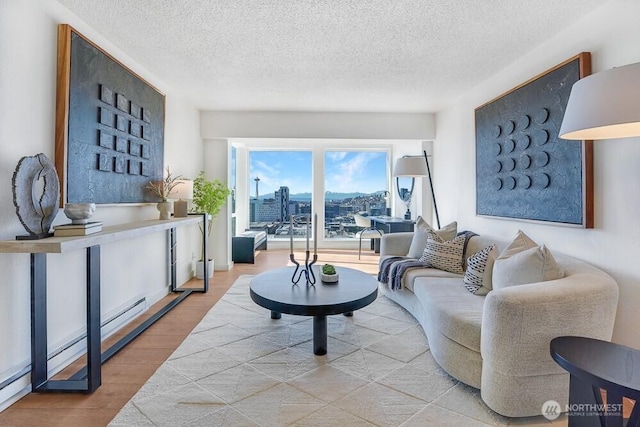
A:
x: 520, y: 243
x: 420, y: 235
x: 524, y: 262
x: 478, y: 276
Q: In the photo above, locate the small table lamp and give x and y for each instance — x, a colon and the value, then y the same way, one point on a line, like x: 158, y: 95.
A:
x: 183, y: 192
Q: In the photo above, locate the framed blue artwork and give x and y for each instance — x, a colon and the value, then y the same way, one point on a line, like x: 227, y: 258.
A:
x: 523, y: 169
x: 109, y: 126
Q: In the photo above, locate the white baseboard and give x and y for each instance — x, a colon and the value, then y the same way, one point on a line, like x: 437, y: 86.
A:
x: 14, y: 392
x: 65, y: 351
x: 224, y: 267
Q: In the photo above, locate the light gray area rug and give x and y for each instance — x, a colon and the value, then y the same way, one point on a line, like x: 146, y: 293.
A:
x: 239, y: 367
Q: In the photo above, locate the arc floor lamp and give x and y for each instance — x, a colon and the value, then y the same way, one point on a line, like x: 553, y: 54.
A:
x: 604, y: 105
x: 414, y: 166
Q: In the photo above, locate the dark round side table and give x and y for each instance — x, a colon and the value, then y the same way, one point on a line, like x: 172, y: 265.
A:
x: 593, y: 365
x: 354, y: 289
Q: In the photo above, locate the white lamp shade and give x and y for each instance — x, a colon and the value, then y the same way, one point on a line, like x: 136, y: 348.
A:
x: 410, y: 166
x: 183, y: 191
x: 605, y: 105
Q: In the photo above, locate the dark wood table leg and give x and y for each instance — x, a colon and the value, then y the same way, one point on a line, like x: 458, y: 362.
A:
x: 319, y: 335
x: 582, y: 399
x: 39, y: 364
x: 276, y: 315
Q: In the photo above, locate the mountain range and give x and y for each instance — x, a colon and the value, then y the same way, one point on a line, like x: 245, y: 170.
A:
x: 329, y: 195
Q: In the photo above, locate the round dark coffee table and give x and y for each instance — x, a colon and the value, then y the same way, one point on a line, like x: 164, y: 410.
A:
x: 354, y: 289
x: 593, y: 365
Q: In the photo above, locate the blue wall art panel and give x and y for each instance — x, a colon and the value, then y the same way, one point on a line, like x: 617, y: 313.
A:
x: 112, y: 142
x: 523, y: 169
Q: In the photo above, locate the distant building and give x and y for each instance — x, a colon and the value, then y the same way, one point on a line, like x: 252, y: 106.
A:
x: 294, y: 209
x: 282, y: 200
x: 268, y: 210
x: 253, y: 210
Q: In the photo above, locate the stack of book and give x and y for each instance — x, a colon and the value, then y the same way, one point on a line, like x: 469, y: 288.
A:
x: 66, y: 230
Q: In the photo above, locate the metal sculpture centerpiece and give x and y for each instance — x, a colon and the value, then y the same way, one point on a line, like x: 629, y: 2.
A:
x: 307, y: 270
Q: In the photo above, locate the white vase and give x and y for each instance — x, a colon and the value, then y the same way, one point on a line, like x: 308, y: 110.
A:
x: 165, y: 210
x: 329, y: 278
x: 200, y: 269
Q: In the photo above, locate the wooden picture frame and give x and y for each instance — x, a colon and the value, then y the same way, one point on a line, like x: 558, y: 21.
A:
x: 524, y: 171
x: 109, y: 133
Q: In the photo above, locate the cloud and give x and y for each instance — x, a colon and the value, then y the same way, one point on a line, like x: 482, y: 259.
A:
x: 336, y: 156
x: 275, y: 169
x: 353, y: 174
x: 345, y: 171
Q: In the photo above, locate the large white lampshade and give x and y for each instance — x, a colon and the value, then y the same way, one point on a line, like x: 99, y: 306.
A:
x: 410, y: 166
x: 605, y: 105
x: 183, y: 192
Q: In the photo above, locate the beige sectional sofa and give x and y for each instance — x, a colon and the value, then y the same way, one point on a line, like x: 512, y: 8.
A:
x: 499, y: 343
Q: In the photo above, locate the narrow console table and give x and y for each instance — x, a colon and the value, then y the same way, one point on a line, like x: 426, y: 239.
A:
x: 390, y: 224
x: 89, y: 378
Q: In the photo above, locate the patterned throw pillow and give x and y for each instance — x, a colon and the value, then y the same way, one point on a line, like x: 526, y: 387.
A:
x: 446, y: 255
x: 420, y: 234
x: 479, y: 269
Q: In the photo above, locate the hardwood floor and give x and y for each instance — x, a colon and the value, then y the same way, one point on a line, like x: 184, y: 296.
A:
x: 126, y: 372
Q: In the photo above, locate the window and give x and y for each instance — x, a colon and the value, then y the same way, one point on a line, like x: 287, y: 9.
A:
x: 355, y: 182
x: 233, y: 184
x: 280, y: 185
x: 330, y: 178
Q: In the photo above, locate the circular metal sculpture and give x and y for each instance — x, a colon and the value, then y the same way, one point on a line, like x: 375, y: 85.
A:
x: 36, y: 193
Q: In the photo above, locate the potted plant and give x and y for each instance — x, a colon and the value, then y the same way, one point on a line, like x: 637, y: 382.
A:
x: 208, y: 197
x: 163, y: 189
x: 328, y: 274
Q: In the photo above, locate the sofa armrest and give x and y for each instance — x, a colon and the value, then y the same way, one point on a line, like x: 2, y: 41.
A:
x: 519, y: 322
x: 395, y: 244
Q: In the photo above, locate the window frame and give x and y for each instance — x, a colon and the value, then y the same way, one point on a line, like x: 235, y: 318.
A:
x: 318, y: 150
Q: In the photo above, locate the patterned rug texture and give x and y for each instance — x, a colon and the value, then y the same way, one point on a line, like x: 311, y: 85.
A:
x: 239, y: 367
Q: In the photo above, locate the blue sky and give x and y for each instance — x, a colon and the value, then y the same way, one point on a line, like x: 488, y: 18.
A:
x: 352, y: 171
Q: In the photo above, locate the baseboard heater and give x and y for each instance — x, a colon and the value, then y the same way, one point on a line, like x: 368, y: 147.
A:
x: 27, y: 369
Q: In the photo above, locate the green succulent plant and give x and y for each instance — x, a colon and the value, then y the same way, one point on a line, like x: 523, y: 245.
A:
x: 328, y: 269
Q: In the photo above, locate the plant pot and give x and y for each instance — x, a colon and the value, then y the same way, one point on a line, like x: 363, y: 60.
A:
x: 200, y: 269
x: 329, y: 278
x: 165, y: 210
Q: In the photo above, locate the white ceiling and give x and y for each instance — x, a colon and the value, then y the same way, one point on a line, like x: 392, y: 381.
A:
x: 326, y: 55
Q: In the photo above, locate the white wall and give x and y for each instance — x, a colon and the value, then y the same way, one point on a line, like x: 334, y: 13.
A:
x: 611, y: 34
x: 217, y: 166
x: 220, y: 124
x: 130, y: 269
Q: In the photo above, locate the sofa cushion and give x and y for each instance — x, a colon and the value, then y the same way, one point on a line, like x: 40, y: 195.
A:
x: 524, y: 262
x: 422, y: 228
x: 447, y: 255
x: 478, y: 275
x: 453, y: 311
x: 477, y: 243
x: 409, y: 278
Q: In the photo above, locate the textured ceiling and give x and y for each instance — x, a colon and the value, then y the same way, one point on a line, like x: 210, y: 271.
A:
x: 326, y: 55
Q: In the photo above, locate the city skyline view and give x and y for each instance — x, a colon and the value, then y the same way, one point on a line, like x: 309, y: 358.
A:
x: 345, y: 171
